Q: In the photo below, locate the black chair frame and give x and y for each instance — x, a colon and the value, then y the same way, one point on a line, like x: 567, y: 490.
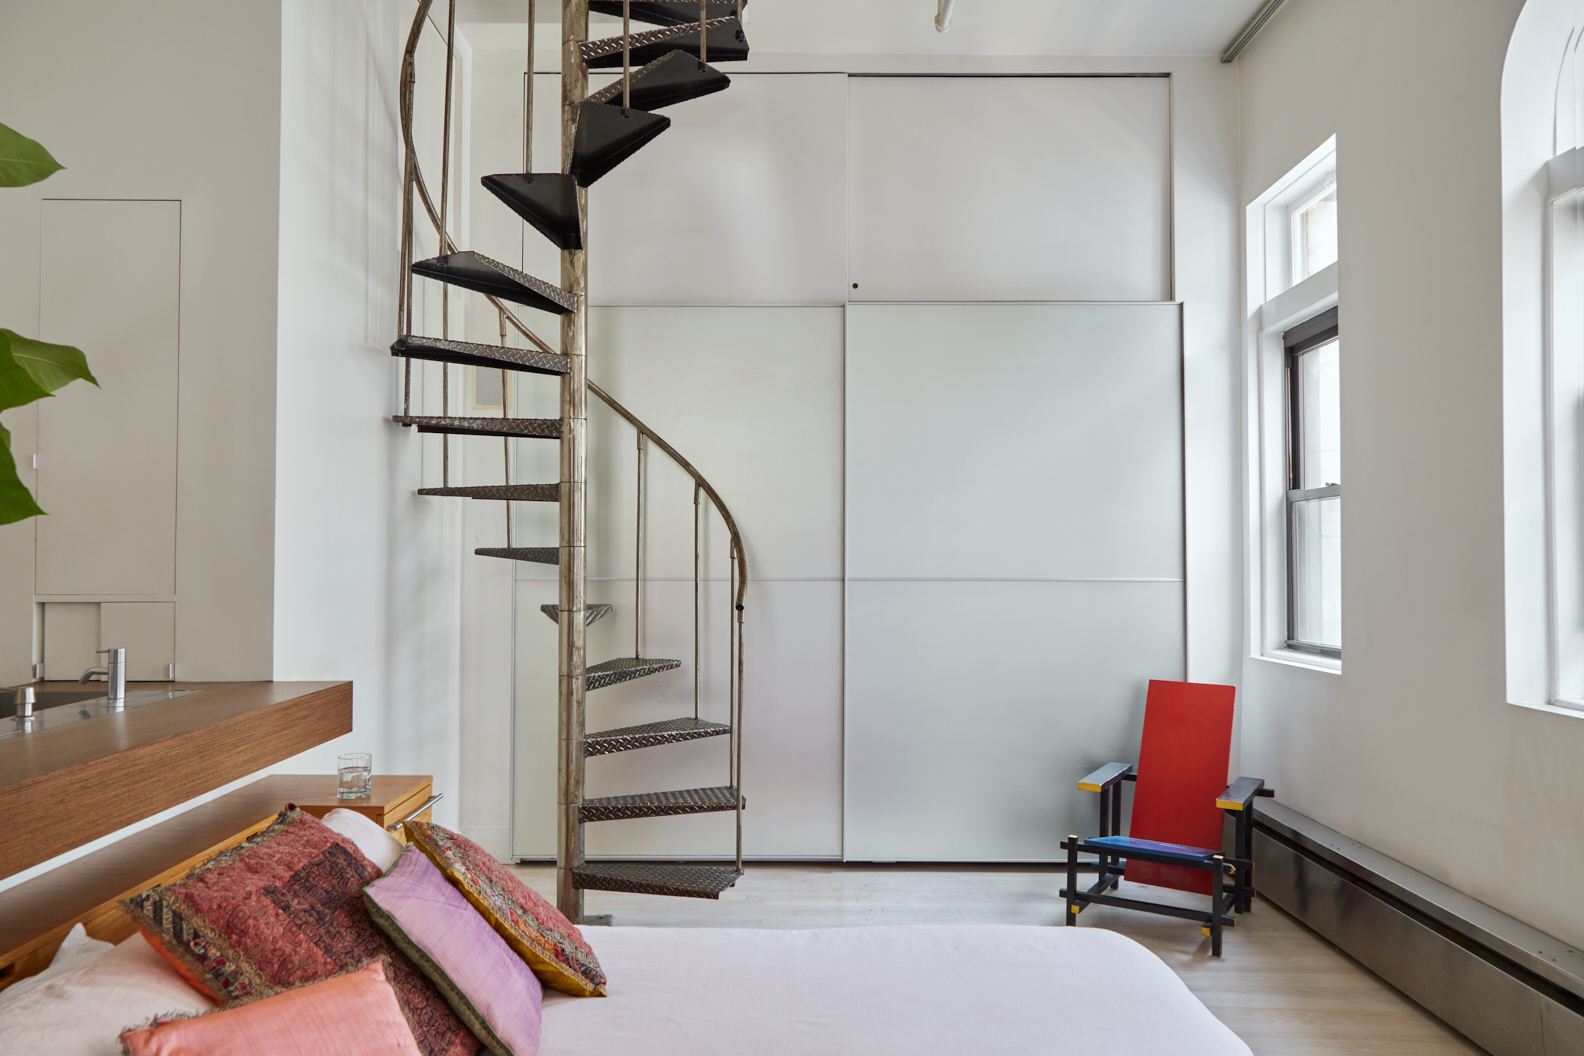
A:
x: 1238, y: 867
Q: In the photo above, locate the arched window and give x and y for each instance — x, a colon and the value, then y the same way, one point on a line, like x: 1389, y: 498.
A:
x: 1543, y: 354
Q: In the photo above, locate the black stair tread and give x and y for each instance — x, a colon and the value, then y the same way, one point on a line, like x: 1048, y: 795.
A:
x: 540, y: 555
x: 674, y: 77
x: 624, y: 669
x: 665, y: 12
x: 470, y: 354
x: 547, y: 200
x: 504, y: 492
x: 475, y: 271
x: 540, y: 428
x: 654, y: 878
x: 591, y: 613
x: 609, y: 135
x: 631, y: 738
x: 660, y: 804
x: 727, y: 43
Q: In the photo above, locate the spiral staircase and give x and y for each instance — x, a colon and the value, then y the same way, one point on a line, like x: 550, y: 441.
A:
x: 600, y: 130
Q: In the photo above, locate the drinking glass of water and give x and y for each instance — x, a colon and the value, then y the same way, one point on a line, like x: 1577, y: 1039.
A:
x: 355, y: 771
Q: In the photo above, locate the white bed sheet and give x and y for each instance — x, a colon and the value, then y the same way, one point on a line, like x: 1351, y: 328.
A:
x: 878, y: 991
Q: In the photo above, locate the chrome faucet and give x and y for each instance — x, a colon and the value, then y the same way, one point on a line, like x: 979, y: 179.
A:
x: 115, y: 676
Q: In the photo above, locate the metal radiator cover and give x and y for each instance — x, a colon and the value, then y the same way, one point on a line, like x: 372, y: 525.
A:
x: 1499, y: 1005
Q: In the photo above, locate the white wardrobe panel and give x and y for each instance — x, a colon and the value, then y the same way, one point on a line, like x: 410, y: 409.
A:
x: 110, y: 284
x: 792, y: 719
x: 753, y: 397
x: 1015, y: 532
x: 743, y: 200
x: 1023, y: 441
x: 974, y: 708
x: 1010, y: 188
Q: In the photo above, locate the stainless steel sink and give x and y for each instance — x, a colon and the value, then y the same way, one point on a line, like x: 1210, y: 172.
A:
x: 53, y: 708
x: 46, y: 698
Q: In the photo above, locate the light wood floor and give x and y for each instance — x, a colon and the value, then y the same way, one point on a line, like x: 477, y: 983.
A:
x: 1280, y: 987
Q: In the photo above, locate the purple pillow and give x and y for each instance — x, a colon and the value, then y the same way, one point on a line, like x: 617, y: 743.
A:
x: 486, y: 984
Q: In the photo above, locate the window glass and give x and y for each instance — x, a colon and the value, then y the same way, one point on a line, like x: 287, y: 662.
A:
x: 1314, y: 501
x: 1320, y: 392
x: 1317, y: 571
x: 1314, y: 233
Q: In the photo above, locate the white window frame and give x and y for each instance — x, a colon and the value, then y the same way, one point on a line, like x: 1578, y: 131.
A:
x: 1273, y: 306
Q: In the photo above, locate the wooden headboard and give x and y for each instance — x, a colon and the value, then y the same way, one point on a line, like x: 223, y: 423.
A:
x: 35, y: 916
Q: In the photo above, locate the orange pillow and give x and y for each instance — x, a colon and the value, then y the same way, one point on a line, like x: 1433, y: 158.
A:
x: 355, y: 1014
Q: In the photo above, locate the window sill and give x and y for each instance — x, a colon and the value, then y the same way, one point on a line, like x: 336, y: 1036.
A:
x: 1309, y: 661
x: 1555, y: 709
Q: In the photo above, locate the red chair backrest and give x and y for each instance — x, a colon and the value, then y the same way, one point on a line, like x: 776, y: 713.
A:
x: 1182, y: 769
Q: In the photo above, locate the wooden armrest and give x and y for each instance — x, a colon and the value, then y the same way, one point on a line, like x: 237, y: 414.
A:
x: 1240, y: 793
x: 1105, y: 777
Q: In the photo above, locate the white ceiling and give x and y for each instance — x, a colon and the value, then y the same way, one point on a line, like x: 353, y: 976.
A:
x: 979, y: 27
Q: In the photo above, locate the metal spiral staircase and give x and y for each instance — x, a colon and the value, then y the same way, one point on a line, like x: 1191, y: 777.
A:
x: 599, y: 131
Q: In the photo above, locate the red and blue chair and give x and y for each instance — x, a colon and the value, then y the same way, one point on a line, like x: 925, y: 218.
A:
x: 1180, y: 800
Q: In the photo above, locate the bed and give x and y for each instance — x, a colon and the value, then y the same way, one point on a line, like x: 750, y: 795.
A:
x: 704, y: 991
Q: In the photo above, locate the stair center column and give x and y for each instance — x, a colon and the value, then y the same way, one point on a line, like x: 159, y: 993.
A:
x: 574, y: 486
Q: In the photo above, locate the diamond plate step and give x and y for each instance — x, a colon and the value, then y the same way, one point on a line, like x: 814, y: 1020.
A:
x: 607, y: 136
x: 547, y: 200
x: 504, y: 492
x: 475, y: 271
x: 469, y: 354
x: 623, y: 669
x: 680, y: 881
x: 542, y: 555
x: 591, y: 614
x: 674, y: 77
x: 665, y: 12
x: 727, y: 43
x: 631, y: 738
x: 660, y: 804
x: 539, y: 428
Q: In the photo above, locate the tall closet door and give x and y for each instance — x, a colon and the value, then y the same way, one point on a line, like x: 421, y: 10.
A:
x: 1014, y: 500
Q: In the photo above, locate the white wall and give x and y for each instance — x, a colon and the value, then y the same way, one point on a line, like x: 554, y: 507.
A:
x: 367, y: 574
x: 1412, y: 748
x: 175, y: 101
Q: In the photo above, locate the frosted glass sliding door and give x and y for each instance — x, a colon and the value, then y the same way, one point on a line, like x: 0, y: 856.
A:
x: 1014, y: 543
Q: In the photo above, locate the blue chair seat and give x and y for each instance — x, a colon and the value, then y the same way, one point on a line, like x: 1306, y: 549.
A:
x: 1124, y: 844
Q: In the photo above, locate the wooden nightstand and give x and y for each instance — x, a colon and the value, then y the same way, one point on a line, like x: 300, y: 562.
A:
x: 389, y: 801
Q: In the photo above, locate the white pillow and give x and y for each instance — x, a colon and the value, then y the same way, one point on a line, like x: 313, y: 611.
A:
x: 76, y: 950
x: 82, y: 1012
x: 377, y: 845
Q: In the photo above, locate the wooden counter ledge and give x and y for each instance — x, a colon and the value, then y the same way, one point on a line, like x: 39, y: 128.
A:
x: 66, y: 786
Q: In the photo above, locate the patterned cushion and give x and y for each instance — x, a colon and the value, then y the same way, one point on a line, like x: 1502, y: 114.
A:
x: 355, y: 1014
x: 283, y: 909
x: 532, y: 927
x: 486, y: 984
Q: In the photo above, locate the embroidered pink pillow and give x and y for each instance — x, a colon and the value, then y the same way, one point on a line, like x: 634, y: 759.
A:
x: 355, y: 1014
x: 485, y: 983
x: 534, y: 929
x: 283, y: 909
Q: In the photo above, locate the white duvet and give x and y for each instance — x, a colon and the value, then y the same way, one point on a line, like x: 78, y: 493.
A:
x: 918, y: 991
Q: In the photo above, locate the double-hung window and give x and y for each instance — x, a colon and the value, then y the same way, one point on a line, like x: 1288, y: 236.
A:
x: 1294, y: 375
x: 1314, y: 486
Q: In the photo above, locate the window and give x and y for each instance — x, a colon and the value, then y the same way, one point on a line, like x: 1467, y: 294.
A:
x: 1314, y: 230
x: 1295, y: 421
x: 1314, y: 483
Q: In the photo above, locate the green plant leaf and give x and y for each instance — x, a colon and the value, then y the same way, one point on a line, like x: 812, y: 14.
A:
x: 17, y: 385
x: 16, y: 502
x: 22, y: 160
x: 50, y: 365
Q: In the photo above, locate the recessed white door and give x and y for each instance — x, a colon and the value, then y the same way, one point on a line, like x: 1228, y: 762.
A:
x: 110, y: 284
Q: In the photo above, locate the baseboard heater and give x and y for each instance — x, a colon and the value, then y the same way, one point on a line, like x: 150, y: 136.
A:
x: 1510, y: 989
